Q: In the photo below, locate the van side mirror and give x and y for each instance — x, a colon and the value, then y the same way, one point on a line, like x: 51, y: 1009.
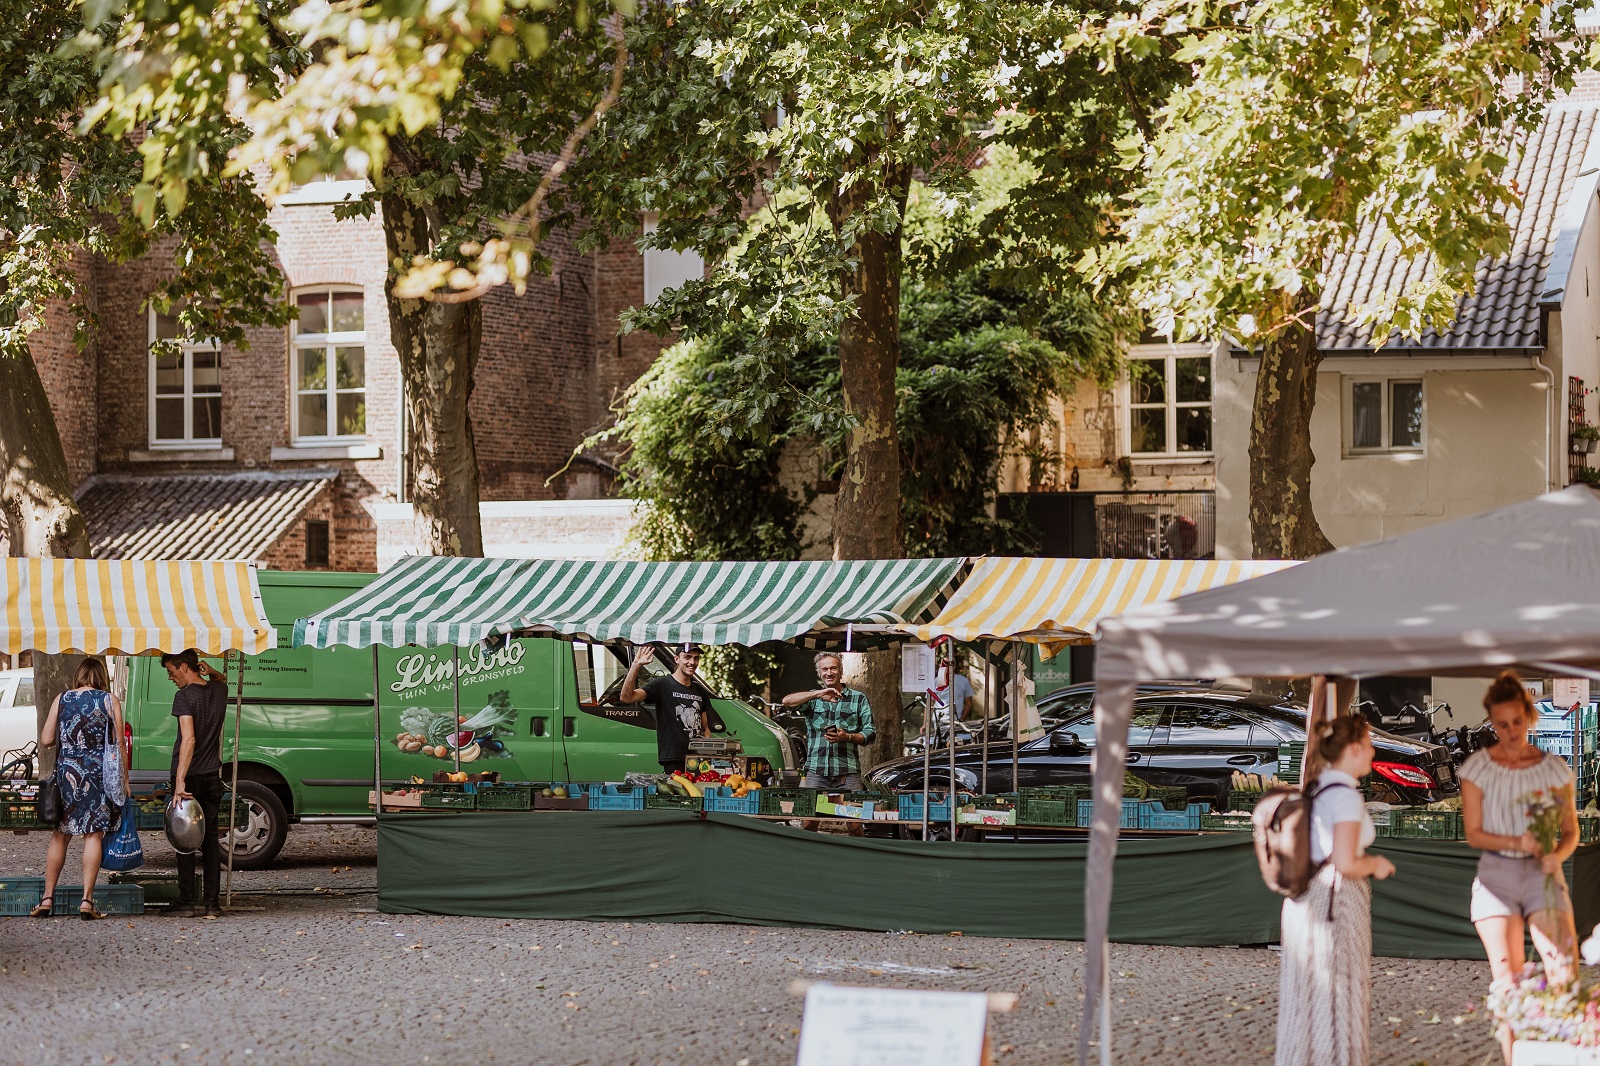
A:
x: 1066, y: 742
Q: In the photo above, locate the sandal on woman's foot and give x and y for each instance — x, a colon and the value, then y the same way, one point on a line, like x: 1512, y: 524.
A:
x: 44, y: 909
x: 87, y: 912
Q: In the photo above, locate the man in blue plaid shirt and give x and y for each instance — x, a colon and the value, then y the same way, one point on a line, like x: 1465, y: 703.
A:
x: 838, y: 723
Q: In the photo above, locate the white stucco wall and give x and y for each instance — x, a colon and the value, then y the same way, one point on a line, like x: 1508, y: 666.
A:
x: 1484, y: 439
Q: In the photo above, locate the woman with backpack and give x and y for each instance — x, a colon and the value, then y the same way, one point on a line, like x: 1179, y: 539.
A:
x: 1325, y: 992
x: 1520, y: 886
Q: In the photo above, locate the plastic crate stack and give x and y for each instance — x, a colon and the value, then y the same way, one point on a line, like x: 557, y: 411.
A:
x: 1572, y: 734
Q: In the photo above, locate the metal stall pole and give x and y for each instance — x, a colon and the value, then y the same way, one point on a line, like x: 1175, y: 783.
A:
x: 377, y: 741
x: 233, y: 794
x: 950, y: 699
x: 455, y: 677
x: 1016, y: 708
x: 927, y: 754
x: 988, y: 709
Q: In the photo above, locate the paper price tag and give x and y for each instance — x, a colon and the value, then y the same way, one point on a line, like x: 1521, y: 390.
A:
x: 892, y: 1027
x: 916, y: 667
x: 1566, y: 691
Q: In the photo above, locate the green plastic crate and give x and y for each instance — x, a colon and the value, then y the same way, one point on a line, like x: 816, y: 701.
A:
x: 1226, y: 823
x: 796, y: 802
x: 1244, y: 801
x: 1419, y: 824
x: 1291, y: 760
x: 505, y: 797
x: 108, y: 899
x: 1046, y: 810
x: 19, y: 895
x: 1173, y: 799
x: 440, y: 799
x: 666, y: 801
x: 20, y: 814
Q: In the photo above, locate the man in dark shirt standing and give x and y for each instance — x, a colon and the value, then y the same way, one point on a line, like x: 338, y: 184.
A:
x: 681, y: 709
x: 200, y: 706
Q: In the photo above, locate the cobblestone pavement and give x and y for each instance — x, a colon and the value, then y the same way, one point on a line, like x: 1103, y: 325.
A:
x: 306, y: 976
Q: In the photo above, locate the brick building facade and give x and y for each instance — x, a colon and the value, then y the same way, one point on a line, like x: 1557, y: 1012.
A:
x: 324, y: 394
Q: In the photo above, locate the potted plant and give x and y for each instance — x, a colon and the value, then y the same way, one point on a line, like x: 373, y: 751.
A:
x: 1584, y: 437
x: 1587, y: 475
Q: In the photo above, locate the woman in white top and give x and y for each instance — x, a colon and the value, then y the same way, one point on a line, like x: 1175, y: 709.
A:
x: 1325, y: 991
x: 1508, y: 895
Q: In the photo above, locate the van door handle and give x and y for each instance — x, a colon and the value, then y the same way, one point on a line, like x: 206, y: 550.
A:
x: 1244, y: 760
x: 539, y: 726
x: 569, y: 727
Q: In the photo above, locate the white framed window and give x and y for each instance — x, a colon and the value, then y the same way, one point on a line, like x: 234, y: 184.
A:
x: 185, y: 386
x: 1169, y: 401
x: 665, y: 269
x: 1383, y: 415
x: 328, y: 366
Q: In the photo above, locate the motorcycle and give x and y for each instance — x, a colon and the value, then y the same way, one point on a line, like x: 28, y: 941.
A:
x: 1414, y: 723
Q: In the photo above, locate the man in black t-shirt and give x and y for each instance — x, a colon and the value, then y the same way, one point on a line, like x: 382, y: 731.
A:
x: 200, y: 706
x: 682, y: 711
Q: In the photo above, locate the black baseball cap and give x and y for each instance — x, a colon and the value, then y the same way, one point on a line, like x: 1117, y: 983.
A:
x: 688, y: 647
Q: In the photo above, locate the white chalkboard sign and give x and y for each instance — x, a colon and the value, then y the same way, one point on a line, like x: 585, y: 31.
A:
x: 892, y: 1027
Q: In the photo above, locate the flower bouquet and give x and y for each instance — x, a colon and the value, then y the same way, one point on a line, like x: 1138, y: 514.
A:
x: 1544, y: 808
x: 1535, y: 1008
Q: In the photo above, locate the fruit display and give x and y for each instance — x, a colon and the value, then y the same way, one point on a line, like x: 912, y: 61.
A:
x: 442, y: 735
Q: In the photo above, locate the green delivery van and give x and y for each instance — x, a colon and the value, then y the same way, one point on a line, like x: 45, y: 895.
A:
x: 306, y: 742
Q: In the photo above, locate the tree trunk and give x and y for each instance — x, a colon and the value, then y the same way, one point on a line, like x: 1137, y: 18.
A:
x: 1282, y: 523
x: 866, y: 521
x: 438, y: 345
x: 41, y: 518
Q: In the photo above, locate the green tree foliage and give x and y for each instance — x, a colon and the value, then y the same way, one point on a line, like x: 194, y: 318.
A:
x: 464, y: 114
x: 978, y: 360
x: 70, y: 195
x: 1301, y: 123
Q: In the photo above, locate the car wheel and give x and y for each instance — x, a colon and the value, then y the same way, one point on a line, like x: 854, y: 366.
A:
x: 263, y: 825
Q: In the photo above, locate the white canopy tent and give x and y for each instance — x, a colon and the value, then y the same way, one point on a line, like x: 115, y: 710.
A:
x: 1519, y: 586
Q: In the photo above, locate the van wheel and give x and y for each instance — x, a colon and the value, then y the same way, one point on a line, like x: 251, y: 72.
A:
x: 263, y: 824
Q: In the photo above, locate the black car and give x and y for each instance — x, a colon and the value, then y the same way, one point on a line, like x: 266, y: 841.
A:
x: 1196, y: 738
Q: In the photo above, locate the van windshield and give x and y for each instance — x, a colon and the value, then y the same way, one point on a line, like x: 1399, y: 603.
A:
x: 602, y: 669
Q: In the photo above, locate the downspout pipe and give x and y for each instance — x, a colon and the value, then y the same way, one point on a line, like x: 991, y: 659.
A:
x: 1538, y: 364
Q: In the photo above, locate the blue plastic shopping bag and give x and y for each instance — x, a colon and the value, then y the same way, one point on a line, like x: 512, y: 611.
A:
x: 122, y: 850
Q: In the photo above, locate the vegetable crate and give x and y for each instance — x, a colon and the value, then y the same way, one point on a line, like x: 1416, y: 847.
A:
x: 911, y: 807
x: 449, y: 799
x: 1420, y: 824
x: 796, y: 802
x: 1148, y: 814
x: 108, y: 899
x: 1291, y: 759
x: 18, y: 813
x: 1034, y: 809
x: 989, y: 810
x: 1244, y: 801
x: 576, y: 799
x: 616, y: 798
x: 1173, y: 799
x: 666, y: 801
x: 19, y: 895
x: 721, y: 798
x: 1227, y: 823
x: 505, y: 797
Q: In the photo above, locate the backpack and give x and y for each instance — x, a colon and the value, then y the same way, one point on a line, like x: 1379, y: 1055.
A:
x: 1282, y: 823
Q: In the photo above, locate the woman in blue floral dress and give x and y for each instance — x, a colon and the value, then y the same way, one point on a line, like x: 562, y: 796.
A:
x: 92, y: 773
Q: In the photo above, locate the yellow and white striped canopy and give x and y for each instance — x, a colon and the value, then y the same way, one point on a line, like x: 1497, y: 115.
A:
x: 126, y: 607
x: 1056, y: 602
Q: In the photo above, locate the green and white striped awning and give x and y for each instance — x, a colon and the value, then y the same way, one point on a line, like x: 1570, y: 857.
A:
x: 434, y: 600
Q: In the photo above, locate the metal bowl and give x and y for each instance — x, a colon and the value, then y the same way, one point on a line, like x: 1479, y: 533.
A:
x: 186, y: 825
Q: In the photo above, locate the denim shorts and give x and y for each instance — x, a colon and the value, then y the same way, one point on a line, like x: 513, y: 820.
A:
x: 1508, y: 887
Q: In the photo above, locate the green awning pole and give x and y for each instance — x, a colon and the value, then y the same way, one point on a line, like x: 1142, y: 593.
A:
x: 455, y: 678
x: 377, y: 741
x: 950, y: 712
x: 233, y: 795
